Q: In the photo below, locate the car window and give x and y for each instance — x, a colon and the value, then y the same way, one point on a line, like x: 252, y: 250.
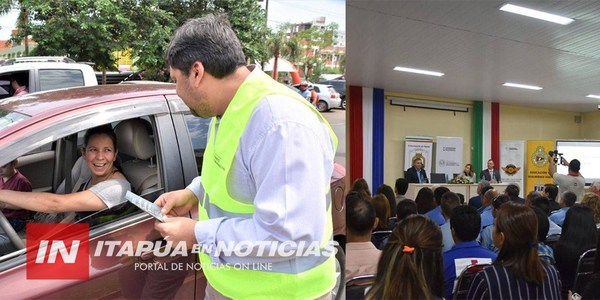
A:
x: 51, y: 79
x: 6, y: 89
x: 317, y: 89
x: 10, y: 118
x: 198, y: 129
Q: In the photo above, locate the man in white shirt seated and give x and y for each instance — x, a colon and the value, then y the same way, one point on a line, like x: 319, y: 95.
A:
x: 361, y: 255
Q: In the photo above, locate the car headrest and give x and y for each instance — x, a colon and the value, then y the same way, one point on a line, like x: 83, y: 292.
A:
x: 134, y: 139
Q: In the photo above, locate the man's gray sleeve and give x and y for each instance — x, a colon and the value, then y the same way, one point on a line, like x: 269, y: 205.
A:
x: 112, y: 191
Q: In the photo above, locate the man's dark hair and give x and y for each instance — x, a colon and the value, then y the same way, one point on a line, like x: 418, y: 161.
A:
x: 542, y: 203
x: 209, y: 40
x: 512, y: 190
x: 450, y: 200
x: 569, y: 198
x: 405, y: 208
x: 466, y: 222
x: 543, y: 224
x: 501, y: 199
x: 360, y: 213
x: 485, y: 189
x: 575, y: 165
x: 439, y: 192
x: 401, y: 186
x: 461, y: 197
x: 551, y: 190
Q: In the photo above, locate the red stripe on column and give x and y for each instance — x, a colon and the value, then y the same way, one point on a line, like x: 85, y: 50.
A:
x: 496, y: 133
x: 356, y: 132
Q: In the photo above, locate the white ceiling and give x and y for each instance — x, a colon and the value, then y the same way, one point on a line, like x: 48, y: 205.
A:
x: 478, y: 47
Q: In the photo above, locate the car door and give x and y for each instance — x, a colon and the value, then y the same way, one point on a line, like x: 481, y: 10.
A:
x: 111, y: 276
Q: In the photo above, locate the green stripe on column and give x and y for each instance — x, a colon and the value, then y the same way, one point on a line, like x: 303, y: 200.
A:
x: 477, y: 138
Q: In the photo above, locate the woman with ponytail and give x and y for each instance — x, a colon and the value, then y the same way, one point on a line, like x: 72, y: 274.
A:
x: 518, y: 272
x: 411, y: 265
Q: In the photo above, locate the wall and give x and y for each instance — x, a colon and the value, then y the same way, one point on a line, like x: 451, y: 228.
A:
x: 400, y: 122
x: 591, y: 126
x: 525, y: 123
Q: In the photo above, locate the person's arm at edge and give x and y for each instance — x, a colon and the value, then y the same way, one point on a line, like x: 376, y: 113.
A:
x: 51, y: 203
x: 551, y: 166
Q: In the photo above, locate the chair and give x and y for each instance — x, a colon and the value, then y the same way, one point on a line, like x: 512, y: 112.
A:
x: 378, y: 238
x: 585, y: 269
x: 135, y: 140
x: 465, y: 278
x: 438, y: 178
x: 356, y: 287
x: 339, y: 291
x: 80, y: 173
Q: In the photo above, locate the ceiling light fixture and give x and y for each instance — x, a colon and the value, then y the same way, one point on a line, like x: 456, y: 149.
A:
x: 593, y: 96
x: 536, y: 14
x: 522, y: 86
x: 418, y: 71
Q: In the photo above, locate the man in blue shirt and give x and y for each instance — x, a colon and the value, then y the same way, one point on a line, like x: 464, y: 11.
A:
x: 567, y: 200
x: 465, y: 223
x: 436, y: 213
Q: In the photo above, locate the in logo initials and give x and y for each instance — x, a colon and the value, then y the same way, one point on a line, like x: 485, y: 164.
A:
x: 58, y: 251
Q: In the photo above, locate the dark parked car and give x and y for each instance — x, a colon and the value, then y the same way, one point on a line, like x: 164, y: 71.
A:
x: 44, y: 132
x: 340, y: 86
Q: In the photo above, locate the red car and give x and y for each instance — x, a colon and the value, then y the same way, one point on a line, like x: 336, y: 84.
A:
x: 160, y: 147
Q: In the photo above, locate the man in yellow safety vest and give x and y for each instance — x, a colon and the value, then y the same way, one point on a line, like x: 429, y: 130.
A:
x: 264, y: 223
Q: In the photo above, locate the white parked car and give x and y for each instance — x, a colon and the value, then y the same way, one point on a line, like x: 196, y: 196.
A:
x: 328, y: 97
x: 44, y: 73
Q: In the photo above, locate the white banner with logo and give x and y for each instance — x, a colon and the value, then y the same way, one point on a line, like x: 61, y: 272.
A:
x: 449, y: 155
x: 421, y: 147
x: 512, y: 159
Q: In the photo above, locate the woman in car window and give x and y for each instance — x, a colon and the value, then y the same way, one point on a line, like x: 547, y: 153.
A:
x: 106, y: 187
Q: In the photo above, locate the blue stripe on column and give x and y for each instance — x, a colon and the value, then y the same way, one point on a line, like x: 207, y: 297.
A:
x: 378, y: 130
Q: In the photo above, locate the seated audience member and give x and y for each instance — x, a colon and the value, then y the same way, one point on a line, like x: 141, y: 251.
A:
x: 531, y: 197
x: 388, y: 192
x: 487, y: 218
x: 465, y: 222
x: 424, y: 200
x: 551, y: 191
x: 543, y: 203
x: 595, y: 188
x: 592, y: 201
x: 382, y: 211
x: 13, y: 180
x: 410, y: 266
x: 461, y: 197
x: 401, y: 187
x: 449, y: 201
x: 545, y: 252
x: 416, y: 173
x: 361, y: 254
x: 476, y: 200
x: 578, y: 235
x: 486, y: 238
x: 567, y: 200
x: 512, y: 190
x: 517, y: 272
x: 361, y: 185
x: 436, y: 213
x: 405, y: 208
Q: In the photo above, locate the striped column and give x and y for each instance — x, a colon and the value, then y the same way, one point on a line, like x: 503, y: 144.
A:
x: 486, y: 134
x: 366, y: 136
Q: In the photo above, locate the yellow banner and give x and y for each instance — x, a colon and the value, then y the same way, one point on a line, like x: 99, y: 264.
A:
x: 537, y: 165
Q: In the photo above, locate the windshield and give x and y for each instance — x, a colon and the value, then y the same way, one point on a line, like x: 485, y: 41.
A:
x: 10, y: 118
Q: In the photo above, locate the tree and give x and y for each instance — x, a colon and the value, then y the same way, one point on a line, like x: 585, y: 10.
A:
x: 22, y: 20
x: 84, y: 30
